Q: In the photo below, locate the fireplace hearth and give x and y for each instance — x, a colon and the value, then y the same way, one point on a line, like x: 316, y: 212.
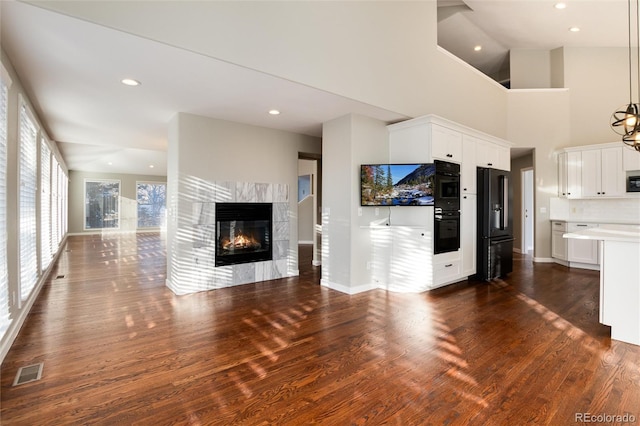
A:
x: 243, y: 233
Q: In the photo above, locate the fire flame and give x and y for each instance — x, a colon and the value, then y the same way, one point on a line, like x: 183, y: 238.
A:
x: 241, y: 241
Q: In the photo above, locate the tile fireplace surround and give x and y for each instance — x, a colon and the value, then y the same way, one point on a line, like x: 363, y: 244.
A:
x: 208, y: 276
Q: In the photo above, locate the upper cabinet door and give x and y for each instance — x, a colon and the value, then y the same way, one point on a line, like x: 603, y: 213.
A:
x: 631, y: 159
x: 574, y: 174
x: 602, y: 173
x: 591, y: 172
x: 491, y: 155
x: 446, y: 144
x: 562, y: 175
x: 612, y: 176
x: 468, y: 175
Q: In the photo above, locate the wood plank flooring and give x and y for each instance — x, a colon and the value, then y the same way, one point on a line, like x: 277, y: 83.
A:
x: 120, y: 348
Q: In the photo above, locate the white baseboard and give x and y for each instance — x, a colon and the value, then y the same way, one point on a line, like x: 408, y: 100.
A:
x: 305, y: 242
x: 347, y: 290
x: 544, y: 259
x: 316, y: 263
x: 584, y: 266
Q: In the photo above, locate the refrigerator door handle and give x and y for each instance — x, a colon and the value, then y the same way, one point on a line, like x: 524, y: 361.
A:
x: 505, y: 202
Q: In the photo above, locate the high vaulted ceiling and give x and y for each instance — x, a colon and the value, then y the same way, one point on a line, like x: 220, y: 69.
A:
x: 71, y: 68
x: 501, y: 25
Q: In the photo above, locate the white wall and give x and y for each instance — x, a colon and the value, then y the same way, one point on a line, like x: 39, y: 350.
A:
x: 599, y: 82
x: 204, y: 151
x: 347, y: 143
x: 336, y: 203
x: 530, y: 69
x: 538, y: 118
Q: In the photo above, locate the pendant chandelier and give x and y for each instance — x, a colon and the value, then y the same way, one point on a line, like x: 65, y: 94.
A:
x: 625, y: 121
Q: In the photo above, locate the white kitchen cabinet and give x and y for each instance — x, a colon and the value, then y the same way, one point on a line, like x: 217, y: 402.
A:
x: 630, y: 159
x: 562, y: 175
x: 570, y: 174
x: 602, y: 173
x: 446, y: 144
x: 468, y: 230
x: 421, y: 140
x: 447, y: 268
x: 492, y: 155
x: 468, y: 175
x: 410, y: 251
x: 582, y: 251
x: 559, y: 245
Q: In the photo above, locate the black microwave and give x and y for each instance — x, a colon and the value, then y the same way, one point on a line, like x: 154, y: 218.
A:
x: 633, y: 183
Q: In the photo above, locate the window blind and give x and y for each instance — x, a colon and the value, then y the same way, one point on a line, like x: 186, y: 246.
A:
x: 45, y: 205
x: 27, y: 203
x: 4, y: 281
x: 64, y: 207
x: 55, y: 206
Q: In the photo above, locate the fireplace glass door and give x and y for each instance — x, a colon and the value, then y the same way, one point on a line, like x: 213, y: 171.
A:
x: 243, y: 233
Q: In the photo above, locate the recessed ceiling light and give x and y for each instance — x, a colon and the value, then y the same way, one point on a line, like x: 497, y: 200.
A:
x: 151, y: 166
x: 130, y: 82
x: 477, y: 48
x: 560, y: 5
x: 110, y: 163
x: 574, y: 29
x: 274, y: 112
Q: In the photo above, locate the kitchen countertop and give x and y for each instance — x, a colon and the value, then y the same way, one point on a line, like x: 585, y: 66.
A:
x: 612, y: 232
x: 604, y: 222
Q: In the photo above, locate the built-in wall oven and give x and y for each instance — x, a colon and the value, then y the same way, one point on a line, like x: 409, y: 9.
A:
x: 446, y: 226
x: 446, y: 204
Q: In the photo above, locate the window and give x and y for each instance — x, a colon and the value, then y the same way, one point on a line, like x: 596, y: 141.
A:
x: 27, y: 195
x: 45, y: 205
x: 101, y: 204
x: 152, y: 201
x: 4, y: 281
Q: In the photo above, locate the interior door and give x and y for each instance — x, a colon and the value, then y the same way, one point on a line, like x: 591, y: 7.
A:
x: 528, y: 211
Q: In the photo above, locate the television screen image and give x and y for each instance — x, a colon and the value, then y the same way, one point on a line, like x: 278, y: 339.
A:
x: 397, y: 184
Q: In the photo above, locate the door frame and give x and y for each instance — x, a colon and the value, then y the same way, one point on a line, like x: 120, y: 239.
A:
x: 527, y: 191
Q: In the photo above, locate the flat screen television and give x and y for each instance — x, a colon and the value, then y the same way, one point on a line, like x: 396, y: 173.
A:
x: 397, y: 184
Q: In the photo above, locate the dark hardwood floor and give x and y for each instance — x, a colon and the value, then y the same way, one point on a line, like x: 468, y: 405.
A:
x: 119, y: 348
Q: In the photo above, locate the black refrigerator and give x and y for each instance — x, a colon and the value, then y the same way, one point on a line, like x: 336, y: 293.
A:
x: 495, y: 224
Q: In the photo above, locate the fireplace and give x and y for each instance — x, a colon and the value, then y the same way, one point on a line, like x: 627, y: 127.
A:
x: 243, y: 233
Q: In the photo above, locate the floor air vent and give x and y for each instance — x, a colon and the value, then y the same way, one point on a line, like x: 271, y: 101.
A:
x: 27, y: 374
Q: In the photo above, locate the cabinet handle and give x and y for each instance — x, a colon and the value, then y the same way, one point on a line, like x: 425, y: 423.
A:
x: 580, y: 224
x: 465, y: 197
x: 449, y: 155
x: 448, y: 265
x: 489, y: 164
x: 464, y: 189
x: 603, y: 193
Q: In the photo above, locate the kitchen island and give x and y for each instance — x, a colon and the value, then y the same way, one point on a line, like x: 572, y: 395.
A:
x: 619, y: 278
